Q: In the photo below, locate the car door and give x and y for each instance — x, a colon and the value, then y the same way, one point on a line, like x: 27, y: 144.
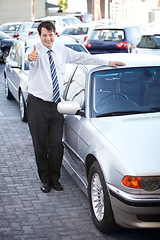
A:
x: 14, y: 66
x: 73, y: 123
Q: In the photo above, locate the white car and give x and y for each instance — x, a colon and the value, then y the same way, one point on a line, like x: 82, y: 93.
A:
x: 79, y: 31
x: 112, y: 139
x: 60, y: 22
x: 149, y: 44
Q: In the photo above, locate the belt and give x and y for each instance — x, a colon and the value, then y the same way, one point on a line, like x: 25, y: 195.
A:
x: 30, y: 95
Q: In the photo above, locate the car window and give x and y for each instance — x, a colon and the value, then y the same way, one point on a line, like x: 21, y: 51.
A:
x: 106, y: 35
x: 76, y: 88
x: 150, y: 41
x: 70, y: 68
x: 35, y: 24
x: 70, y: 21
x: 16, y: 54
x: 76, y: 47
x: 14, y: 27
x: 75, y: 31
x: 124, y: 90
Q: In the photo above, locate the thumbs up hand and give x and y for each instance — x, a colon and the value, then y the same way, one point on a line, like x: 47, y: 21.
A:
x: 33, y: 55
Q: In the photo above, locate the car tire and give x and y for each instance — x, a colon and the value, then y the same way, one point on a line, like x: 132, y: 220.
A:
x: 22, y: 108
x: 8, y: 94
x: 99, y: 201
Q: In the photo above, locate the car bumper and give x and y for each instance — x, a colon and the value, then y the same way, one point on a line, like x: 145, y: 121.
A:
x: 135, y: 211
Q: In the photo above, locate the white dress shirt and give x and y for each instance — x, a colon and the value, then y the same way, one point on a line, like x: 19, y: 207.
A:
x: 40, y: 81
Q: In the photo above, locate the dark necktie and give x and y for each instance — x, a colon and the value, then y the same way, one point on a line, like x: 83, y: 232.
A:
x: 55, y: 84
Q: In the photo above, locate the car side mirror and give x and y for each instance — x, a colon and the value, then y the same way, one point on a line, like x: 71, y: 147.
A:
x: 67, y: 107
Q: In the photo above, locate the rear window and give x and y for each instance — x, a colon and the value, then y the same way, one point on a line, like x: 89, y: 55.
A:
x: 70, y: 21
x: 10, y: 27
x: 107, y: 35
x: 150, y: 41
x: 75, y: 31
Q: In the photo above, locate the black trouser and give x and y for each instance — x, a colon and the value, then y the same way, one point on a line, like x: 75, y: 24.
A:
x: 46, y: 127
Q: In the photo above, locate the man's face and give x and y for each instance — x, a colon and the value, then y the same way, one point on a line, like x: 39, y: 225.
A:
x: 47, y: 37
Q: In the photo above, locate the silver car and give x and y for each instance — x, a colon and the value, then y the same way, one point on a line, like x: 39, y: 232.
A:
x: 111, y: 138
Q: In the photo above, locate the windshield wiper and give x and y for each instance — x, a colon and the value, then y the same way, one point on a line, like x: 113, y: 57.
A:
x: 120, y: 113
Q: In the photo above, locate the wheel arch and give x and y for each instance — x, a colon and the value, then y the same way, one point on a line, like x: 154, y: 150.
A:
x: 89, y: 161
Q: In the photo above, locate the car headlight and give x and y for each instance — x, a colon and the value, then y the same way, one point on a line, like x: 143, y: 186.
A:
x: 145, y: 183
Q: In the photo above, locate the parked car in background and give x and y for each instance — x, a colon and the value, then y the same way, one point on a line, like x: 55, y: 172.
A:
x: 111, y: 139
x: 113, y: 39
x: 16, y: 29
x: 60, y: 22
x: 3, y: 36
x: 84, y: 17
x: 16, y: 72
x: 149, y: 44
x: 79, y: 31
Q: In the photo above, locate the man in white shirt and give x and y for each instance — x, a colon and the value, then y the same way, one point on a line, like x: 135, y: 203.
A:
x: 45, y: 122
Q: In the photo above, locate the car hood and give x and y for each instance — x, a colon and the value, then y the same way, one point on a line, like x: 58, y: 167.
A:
x: 135, y: 137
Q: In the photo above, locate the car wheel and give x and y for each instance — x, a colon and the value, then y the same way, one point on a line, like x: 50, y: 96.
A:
x: 5, y: 54
x: 99, y: 200
x: 22, y: 108
x: 8, y: 94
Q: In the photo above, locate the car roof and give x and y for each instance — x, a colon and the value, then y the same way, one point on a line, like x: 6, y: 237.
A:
x: 115, y: 26
x: 131, y: 60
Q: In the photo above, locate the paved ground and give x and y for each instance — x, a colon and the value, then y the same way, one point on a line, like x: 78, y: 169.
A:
x: 26, y: 212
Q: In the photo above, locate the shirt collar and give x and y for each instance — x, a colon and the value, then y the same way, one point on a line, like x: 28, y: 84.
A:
x: 44, y: 48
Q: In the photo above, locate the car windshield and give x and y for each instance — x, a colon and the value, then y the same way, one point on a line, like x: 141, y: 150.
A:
x: 125, y: 91
x: 150, y: 41
x: 106, y: 35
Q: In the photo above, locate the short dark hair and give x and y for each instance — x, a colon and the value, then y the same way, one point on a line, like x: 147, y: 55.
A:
x: 48, y: 25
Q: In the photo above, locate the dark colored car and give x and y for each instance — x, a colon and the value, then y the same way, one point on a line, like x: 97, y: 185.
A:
x: 113, y: 39
x: 2, y: 37
x: 5, y: 45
